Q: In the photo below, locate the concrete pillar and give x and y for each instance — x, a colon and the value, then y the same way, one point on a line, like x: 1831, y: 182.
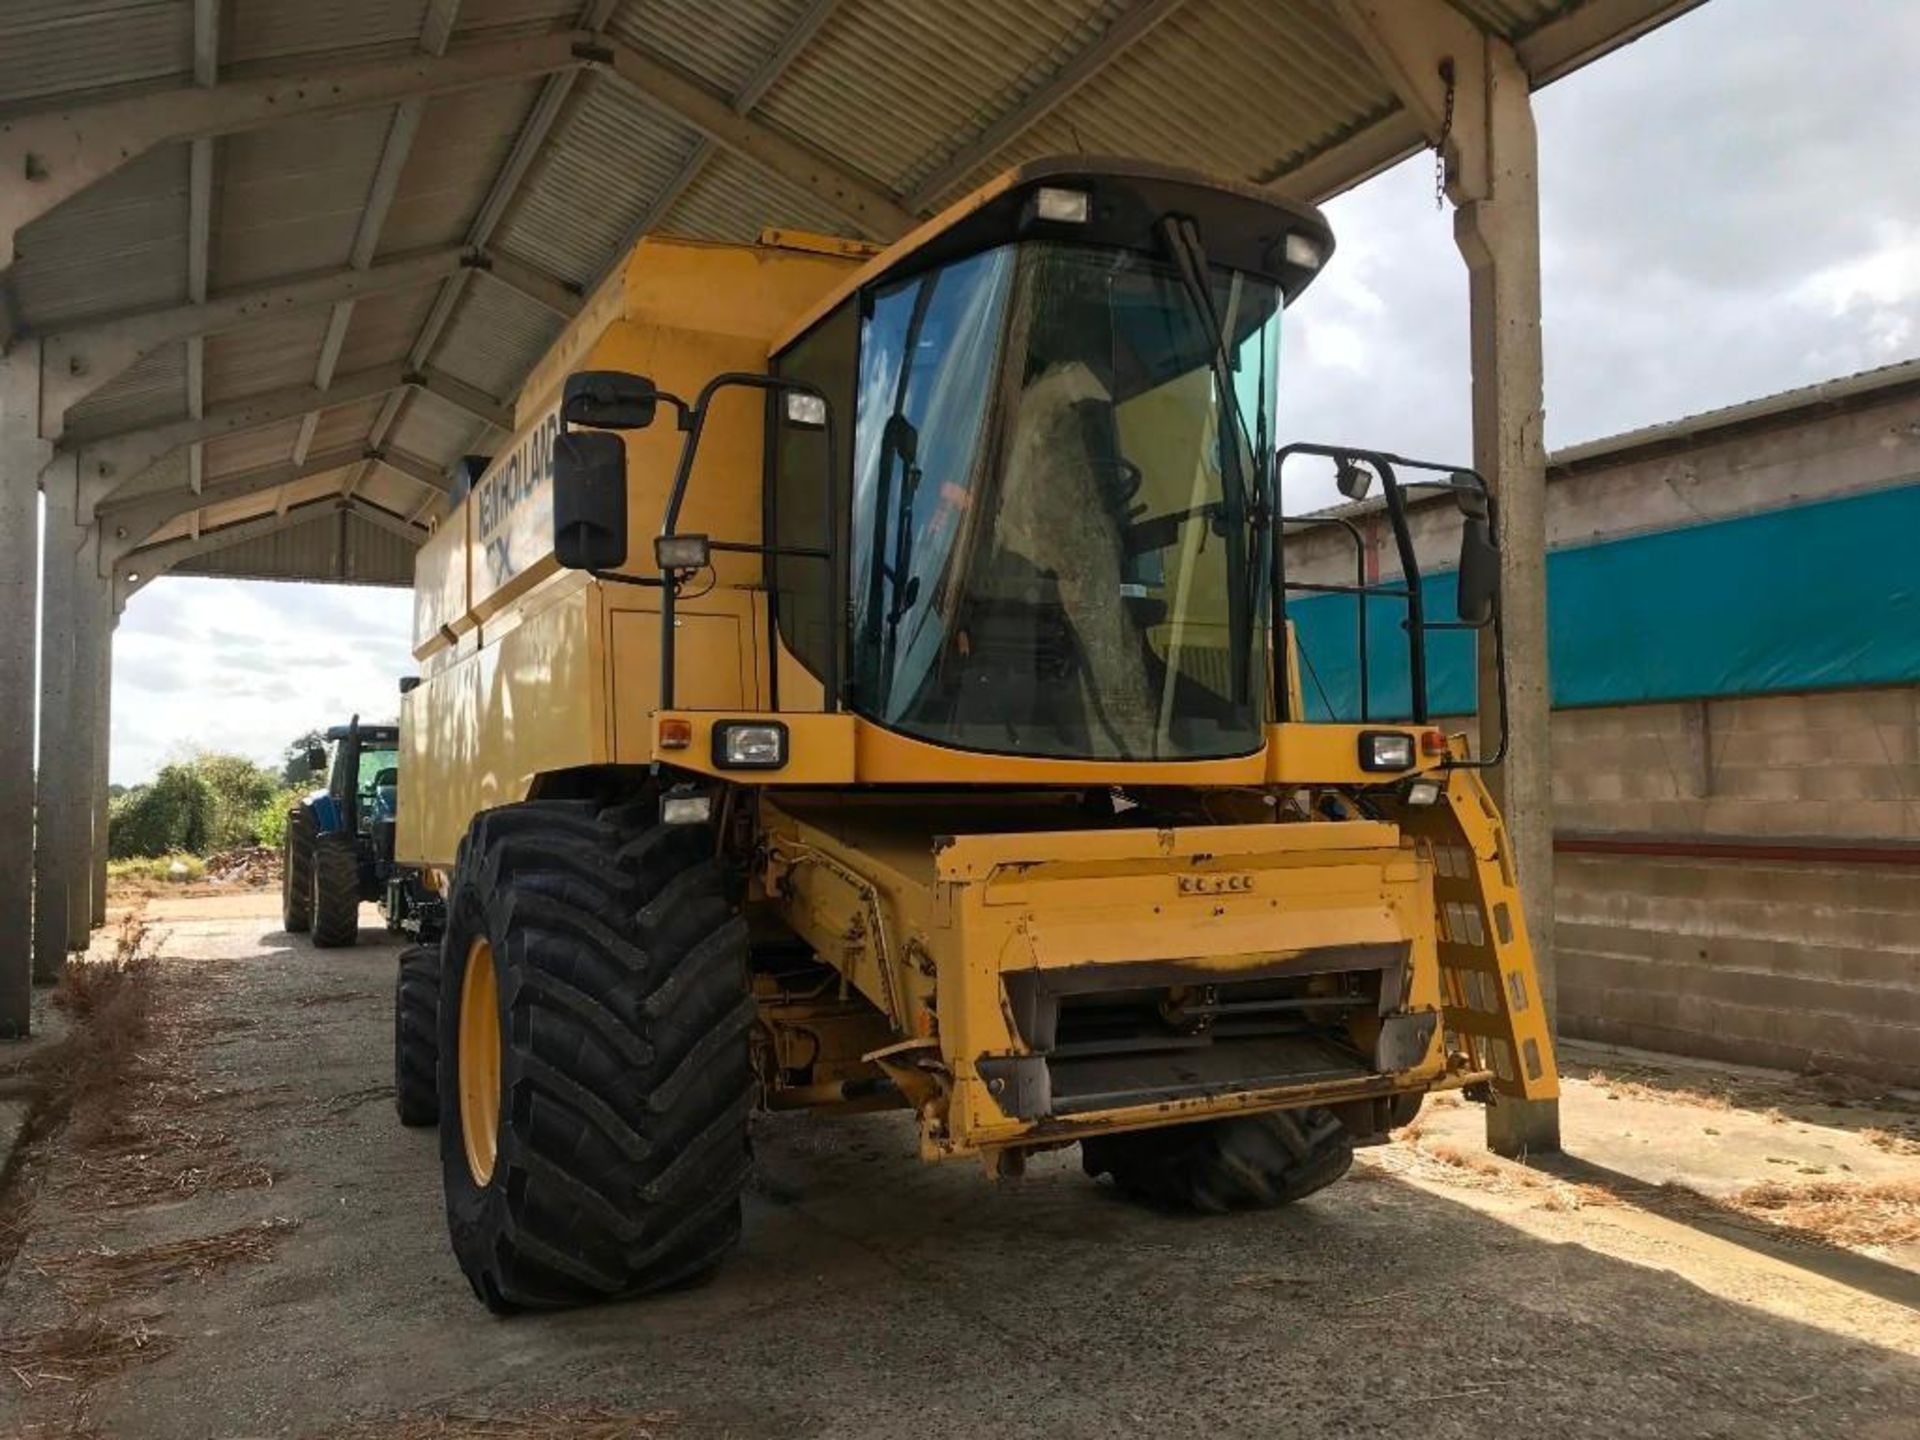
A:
x: 56, y: 775
x: 1498, y: 232
x: 95, y: 668
x: 91, y: 616
x: 21, y: 455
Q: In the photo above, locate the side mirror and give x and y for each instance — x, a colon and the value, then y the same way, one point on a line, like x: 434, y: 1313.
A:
x: 609, y: 400
x: 316, y: 758
x: 589, y: 499
x: 1479, y: 577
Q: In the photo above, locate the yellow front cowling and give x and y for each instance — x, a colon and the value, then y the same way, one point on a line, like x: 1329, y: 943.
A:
x: 1032, y: 919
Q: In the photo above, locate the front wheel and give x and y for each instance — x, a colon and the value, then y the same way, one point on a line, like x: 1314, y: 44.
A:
x: 336, y: 891
x: 1244, y: 1162
x: 416, y: 1036
x: 594, y: 1072
x: 296, y: 872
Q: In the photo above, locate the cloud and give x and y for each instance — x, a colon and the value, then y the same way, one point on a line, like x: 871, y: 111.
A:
x: 244, y: 667
x: 1729, y: 209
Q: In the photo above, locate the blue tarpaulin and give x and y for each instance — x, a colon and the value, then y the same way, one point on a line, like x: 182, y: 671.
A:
x: 1819, y: 596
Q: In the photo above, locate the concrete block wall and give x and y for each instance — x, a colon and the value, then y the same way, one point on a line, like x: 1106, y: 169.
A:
x: 1797, y: 963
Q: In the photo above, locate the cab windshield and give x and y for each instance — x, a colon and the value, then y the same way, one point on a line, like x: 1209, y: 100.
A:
x: 1057, y: 539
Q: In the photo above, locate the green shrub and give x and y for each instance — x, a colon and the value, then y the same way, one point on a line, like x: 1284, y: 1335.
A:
x: 198, y: 806
x: 173, y: 813
x: 270, y: 820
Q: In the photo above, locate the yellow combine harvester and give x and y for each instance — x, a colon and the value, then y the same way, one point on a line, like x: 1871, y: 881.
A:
x: 865, y: 680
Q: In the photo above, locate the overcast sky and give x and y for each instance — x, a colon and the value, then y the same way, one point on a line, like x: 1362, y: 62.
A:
x: 1731, y: 208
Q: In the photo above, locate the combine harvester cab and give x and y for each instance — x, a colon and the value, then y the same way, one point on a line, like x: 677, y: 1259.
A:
x: 874, y: 680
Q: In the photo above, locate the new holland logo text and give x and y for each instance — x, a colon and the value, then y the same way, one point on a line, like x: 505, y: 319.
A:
x: 529, y: 466
x: 504, y: 491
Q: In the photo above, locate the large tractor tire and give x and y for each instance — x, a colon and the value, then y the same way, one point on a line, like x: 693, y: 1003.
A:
x: 296, y: 872
x: 416, y: 1036
x: 336, y: 891
x: 1245, y: 1162
x: 594, y: 1072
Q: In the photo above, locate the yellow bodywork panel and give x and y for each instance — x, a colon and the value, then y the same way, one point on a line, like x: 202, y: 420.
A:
x: 527, y: 670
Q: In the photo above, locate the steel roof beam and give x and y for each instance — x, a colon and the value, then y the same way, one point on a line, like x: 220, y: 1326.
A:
x: 462, y: 396
x: 1131, y: 25
x: 141, y: 567
x: 386, y: 520
x: 867, y: 206
x: 403, y: 462
x: 110, y: 461
x: 84, y: 355
x: 127, y: 524
x: 544, y: 290
x: 50, y: 156
x: 435, y: 30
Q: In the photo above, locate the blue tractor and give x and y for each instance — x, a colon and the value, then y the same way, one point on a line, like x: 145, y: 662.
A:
x: 339, y: 846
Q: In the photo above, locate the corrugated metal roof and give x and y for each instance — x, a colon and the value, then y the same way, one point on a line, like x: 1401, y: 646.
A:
x: 614, y: 155
x: 896, y: 92
x: 149, y: 392
x: 719, y: 44
x: 731, y: 200
x: 249, y: 450
x: 291, y: 195
x: 463, y: 141
x: 271, y: 355
x: 433, y: 429
x: 936, y: 73
x: 121, y: 245
x: 257, y: 31
x: 494, y: 338
x: 57, y: 47
x: 1260, y: 86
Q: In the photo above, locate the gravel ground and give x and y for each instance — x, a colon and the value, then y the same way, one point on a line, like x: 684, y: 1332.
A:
x: 875, y: 1295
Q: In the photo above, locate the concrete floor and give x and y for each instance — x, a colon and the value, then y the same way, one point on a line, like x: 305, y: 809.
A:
x: 877, y: 1296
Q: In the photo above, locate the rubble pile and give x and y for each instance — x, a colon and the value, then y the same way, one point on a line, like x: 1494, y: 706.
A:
x: 245, y: 865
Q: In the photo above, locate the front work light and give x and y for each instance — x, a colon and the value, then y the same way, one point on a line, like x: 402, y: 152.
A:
x: 807, y: 410
x: 1423, y: 792
x: 681, y: 552
x: 749, y: 745
x: 685, y: 807
x: 1302, y: 250
x: 1064, y: 207
x: 1386, y: 750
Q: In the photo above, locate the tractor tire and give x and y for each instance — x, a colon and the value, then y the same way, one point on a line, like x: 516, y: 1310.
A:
x: 336, y: 892
x: 1245, y: 1162
x: 296, y: 873
x: 595, y: 1081
x: 416, y: 1036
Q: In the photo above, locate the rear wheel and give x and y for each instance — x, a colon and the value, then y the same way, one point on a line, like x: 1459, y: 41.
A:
x: 416, y: 1036
x: 296, y: 872
x: 336, y: 891
x: 1245, y: 1162
x: 594, y: 1071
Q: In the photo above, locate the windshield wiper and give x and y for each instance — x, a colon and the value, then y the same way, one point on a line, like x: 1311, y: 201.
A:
x: 1239, y: 461
x: 899, y: 439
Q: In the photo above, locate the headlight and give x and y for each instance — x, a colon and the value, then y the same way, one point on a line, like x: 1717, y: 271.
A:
x: 1386, y: 750
x: 750, y: 746
x: 1423, y: 792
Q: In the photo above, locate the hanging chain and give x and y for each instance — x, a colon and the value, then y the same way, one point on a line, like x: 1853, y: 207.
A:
x: 1440, y: 145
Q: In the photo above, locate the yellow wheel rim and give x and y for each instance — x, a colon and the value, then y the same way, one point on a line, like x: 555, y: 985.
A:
x: 480, y: 1062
